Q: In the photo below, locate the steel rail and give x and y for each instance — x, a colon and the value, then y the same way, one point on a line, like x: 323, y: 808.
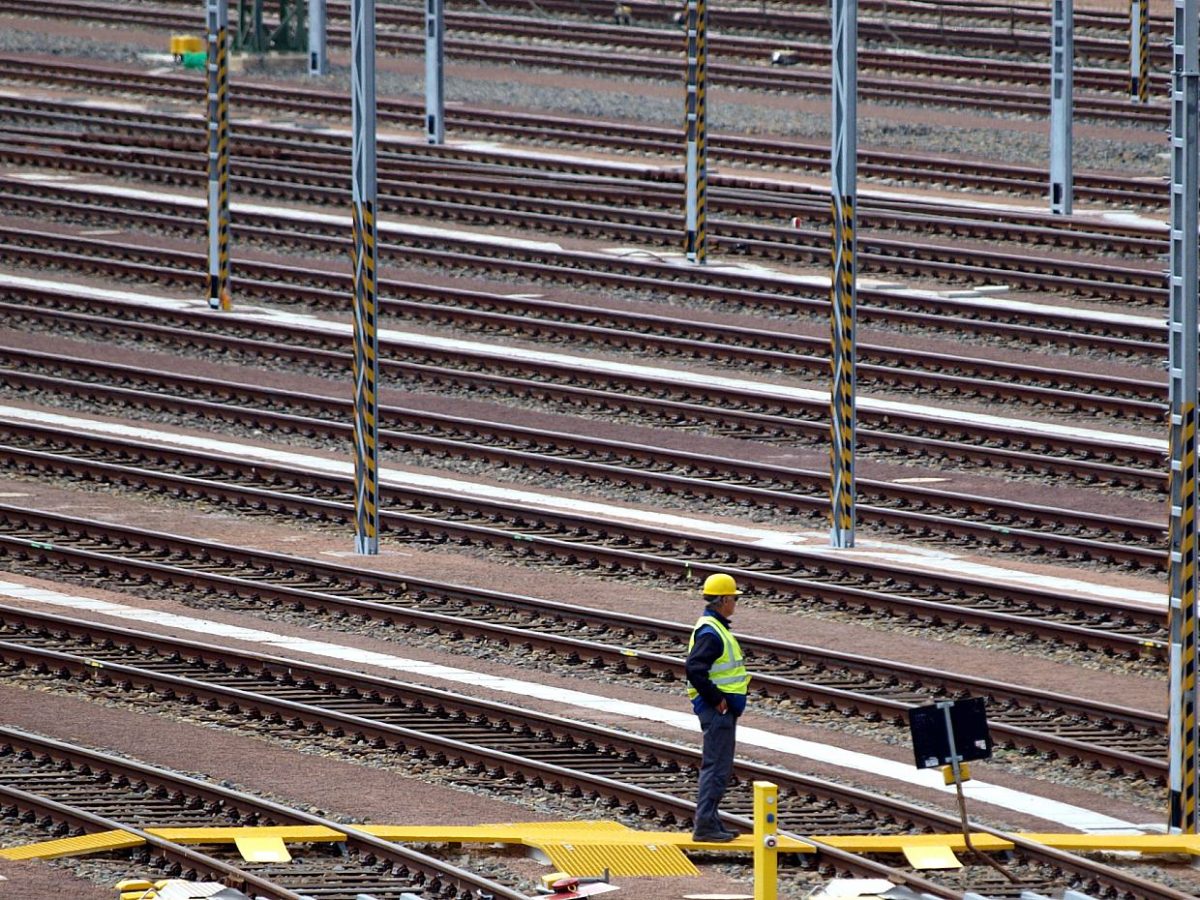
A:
x: 654, y: 399
x: 1121, y: 740
x: 727, y: 288
x: 80, y: 818
x: 262, y: 157
x: 560, y: 773
x: 877, y: 588
x: 437, y: 874
x: 956, y: 376
x: 748, y: 150
x: 921, y: 87
x: 906, y: 23
x: 738, y: 291
x: 877, y: 254
x: 1064, y: 533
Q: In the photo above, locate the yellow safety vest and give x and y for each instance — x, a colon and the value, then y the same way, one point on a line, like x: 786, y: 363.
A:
x: 728, y: 672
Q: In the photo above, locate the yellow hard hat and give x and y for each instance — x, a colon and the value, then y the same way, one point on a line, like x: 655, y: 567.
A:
x: 720, y: 585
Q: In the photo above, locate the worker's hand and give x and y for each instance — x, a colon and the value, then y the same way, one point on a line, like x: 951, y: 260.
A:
x: 723, y: 707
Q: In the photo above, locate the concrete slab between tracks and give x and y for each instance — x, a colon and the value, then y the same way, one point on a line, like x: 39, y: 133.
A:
x: 590, y: 847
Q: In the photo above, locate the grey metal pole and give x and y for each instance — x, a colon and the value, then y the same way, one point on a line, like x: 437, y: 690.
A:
x: 435, y: 72
x: 696, y: 170
x: 318, y: 61
x: 1139, y: 51
x: 217, y: 14
x: 1182, y: 361
x: 366, y: 332
x: 1062, y: 62
x: 843, y: 287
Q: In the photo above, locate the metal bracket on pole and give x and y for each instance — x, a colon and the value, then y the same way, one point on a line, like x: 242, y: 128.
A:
x: 217, y: 12
x: 1139, y: 51
x: 366, y: 331
x: 1182, y: 363
x: 318, y: 60
x: 843, y: 286
x: 435, y: 72
x: 1062, y: 63
x: 696, y: 169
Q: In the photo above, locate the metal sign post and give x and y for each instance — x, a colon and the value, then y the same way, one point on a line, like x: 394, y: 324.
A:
x: 696, y: 170
x: 435, y: 72
x: 1062, y: 63
x: 217, y: 12
x: 1182, y: 352
x: 843, y: 287
x: 366, y: 331
x: 949, y: 733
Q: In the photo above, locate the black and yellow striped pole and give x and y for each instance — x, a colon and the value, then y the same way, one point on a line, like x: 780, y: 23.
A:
x: 366, y: 325
x: 843, y: 287
x: 218, y: 154
x: 1183, y: 360
x: 696, y: 170
x: 1139, y: 51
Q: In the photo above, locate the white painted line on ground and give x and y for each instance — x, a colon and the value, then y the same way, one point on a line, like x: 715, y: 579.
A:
x: 1066, y: 814
x: 815, y: 542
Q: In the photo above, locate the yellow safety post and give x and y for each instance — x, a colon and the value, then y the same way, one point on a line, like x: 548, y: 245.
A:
x: 766, y: 840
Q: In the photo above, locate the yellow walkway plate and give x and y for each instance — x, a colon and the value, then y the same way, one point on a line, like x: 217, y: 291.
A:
x: 620, y: 859
x: 262, y: 848
x: 931, y: 857
x: 100, y: 842
x: 588, y: 847
x: 1136, y: 843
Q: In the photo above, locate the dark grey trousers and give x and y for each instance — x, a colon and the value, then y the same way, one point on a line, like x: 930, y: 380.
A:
x: 716, y: 764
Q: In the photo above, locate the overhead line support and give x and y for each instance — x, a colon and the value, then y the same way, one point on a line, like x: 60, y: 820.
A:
x: 364, y: 190
x: 843, y: 280
x: 1182, y: 361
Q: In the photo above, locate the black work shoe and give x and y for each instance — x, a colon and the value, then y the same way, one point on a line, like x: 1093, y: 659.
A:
x: 713, y: 837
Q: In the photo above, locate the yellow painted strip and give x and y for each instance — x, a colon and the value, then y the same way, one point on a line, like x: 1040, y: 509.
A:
x: 897, y: 843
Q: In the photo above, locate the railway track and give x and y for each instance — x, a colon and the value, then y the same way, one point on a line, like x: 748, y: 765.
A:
x: 1018, y: 324
x: 911, y: 511
x: 79, y: 791
x: 1002, y: 28
x: 927, y: 373
x: 263, y: 151
x: 652, y: 396
x: 752, y: 151
x: 1121, y: 741
x: 567, y: 208
x: 487, y: 742
x: 588, y: 48
x: 768, y: 561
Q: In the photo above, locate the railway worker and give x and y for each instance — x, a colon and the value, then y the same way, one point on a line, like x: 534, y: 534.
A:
x: 717, y: 682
